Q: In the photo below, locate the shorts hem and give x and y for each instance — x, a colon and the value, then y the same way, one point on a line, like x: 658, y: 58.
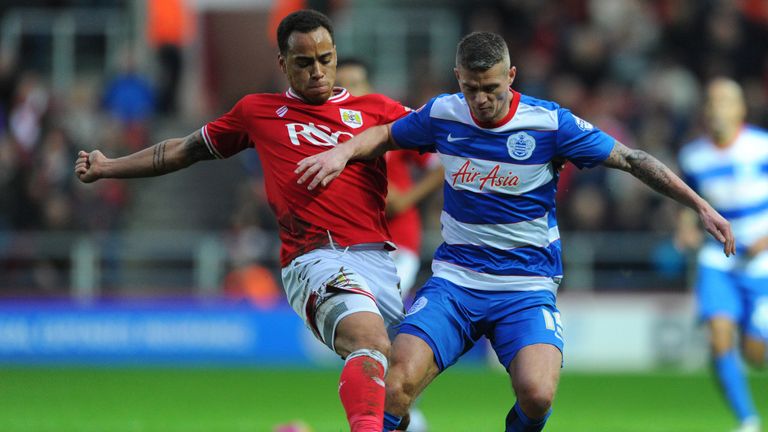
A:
x: 413, y: 330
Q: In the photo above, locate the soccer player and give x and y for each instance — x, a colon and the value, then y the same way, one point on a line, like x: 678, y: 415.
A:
x: 497, y: 272
x: 404, y: 194
x: 337, y: 273
x: 729, y: 167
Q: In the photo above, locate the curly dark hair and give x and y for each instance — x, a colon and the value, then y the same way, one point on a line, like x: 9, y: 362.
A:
x: 303, y: 21
x: 480, y: 51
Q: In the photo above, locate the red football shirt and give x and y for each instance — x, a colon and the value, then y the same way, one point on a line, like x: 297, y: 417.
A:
x: 284, y: 130
x: 405, y: 227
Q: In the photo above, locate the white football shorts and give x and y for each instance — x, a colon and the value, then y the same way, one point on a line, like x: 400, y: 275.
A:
x: 326, y: 284
x: 408, y: 264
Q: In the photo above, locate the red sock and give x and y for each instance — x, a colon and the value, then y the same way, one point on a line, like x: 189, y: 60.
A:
x: 361, y: 389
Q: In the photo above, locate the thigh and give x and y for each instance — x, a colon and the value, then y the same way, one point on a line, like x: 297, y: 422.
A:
x: 718, y: 295
x: 522, y: 319
x: 325, y: 286
x: 413, y: 364
x: 440, y: 318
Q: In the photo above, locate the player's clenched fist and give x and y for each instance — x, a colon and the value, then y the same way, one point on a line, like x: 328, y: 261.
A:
x: 87, y: 166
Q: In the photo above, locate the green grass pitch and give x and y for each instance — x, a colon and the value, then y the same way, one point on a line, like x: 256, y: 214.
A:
x: 254, y: 400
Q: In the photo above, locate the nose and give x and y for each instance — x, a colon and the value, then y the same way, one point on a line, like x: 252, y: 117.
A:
x: 480, y: 98
x: 317, y: 71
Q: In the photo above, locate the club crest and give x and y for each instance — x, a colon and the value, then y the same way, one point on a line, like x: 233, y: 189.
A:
x: 351, y: 118
x: 583, y: 124
x: 520, y: 145
x: 417, y: 305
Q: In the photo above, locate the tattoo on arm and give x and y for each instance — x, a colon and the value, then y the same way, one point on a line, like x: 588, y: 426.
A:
x: 646, y: 168
x: 158, y: 158
x: 195, y: 149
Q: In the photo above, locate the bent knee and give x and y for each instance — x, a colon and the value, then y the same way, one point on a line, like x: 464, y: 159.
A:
x: 400, y: 394
x: 363, y: 330
x: 346, y: 344
x: 536, y: 400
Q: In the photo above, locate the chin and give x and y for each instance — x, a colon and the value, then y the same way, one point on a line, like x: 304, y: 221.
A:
x: 317, y: 98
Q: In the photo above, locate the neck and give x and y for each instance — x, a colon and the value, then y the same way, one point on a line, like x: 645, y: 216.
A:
x: 726, y: 136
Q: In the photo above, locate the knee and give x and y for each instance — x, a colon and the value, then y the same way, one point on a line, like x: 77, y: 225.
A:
x: 366, y: 335
x: 400, y: 393
x: 535, y: 399
x: 721, y: 337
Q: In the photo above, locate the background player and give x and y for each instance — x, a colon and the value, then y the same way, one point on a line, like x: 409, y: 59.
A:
x: 498, y: 270
x: 337, y: 274
x: 729, y: 167
x: 404, y: 194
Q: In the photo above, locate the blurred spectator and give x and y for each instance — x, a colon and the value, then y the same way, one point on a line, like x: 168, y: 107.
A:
x: 170, y: 26
x: 129, y: 96
x: 250, y: 246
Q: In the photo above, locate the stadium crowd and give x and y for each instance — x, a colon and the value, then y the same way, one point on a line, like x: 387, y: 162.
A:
x: 634, y: 68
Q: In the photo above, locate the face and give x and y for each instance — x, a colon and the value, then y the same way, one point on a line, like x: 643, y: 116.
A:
x: 725, y: 109
x: 310, y: 64
x: 487, y: 92
x: 353, y: 78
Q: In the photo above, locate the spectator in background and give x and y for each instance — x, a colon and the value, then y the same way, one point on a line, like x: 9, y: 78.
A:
x: 130, y: 100
x: 728, y: 167
x: 170, y: 26
x: 129, y: 96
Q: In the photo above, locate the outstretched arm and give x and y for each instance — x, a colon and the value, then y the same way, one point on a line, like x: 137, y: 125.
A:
x: 327, y: 165
x: 162, y: 158
x: 659, y: 177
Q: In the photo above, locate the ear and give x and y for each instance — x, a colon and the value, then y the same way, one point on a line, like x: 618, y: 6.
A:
x: 456, y: 74
x: 281, y: 62
x: 512, y: 74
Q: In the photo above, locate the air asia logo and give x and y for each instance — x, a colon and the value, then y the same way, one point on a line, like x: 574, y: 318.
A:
x: 468, y: 174
x: 351, y: 118
x: 320, y: 135
x: 520, y: 145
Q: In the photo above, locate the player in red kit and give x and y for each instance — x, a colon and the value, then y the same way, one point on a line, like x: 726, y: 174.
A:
x: 337, y: 273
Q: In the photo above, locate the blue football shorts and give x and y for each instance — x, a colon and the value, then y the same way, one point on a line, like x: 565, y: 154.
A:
x: 742, y: 298
x: 451, y: 318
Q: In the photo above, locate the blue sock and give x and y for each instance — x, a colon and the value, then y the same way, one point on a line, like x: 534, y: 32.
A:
x: 517, y: 421
x: 391, y: 422
x: 734, y: 384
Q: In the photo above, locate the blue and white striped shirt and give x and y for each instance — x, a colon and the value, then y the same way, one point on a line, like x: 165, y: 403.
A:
x: 734, y: 180
x: 498, y: 221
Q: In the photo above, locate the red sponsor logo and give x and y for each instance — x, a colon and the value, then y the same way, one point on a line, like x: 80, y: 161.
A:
x: 468, y: 174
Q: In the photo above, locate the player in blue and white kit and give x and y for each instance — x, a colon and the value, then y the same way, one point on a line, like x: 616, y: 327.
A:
x: 497, y: 272
x: 729, y: 167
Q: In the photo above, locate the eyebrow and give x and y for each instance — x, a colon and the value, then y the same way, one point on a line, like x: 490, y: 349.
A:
x: 302, y: 56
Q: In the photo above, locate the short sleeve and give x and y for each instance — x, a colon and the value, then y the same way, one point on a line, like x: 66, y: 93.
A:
x: 581, y: 143
x: 414, y: 131
x: 392, y: 110
x: 227, y: 136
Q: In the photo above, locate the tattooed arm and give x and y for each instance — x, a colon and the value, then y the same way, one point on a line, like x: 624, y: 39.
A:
x: 162, y: 158
x: 659, y: 177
